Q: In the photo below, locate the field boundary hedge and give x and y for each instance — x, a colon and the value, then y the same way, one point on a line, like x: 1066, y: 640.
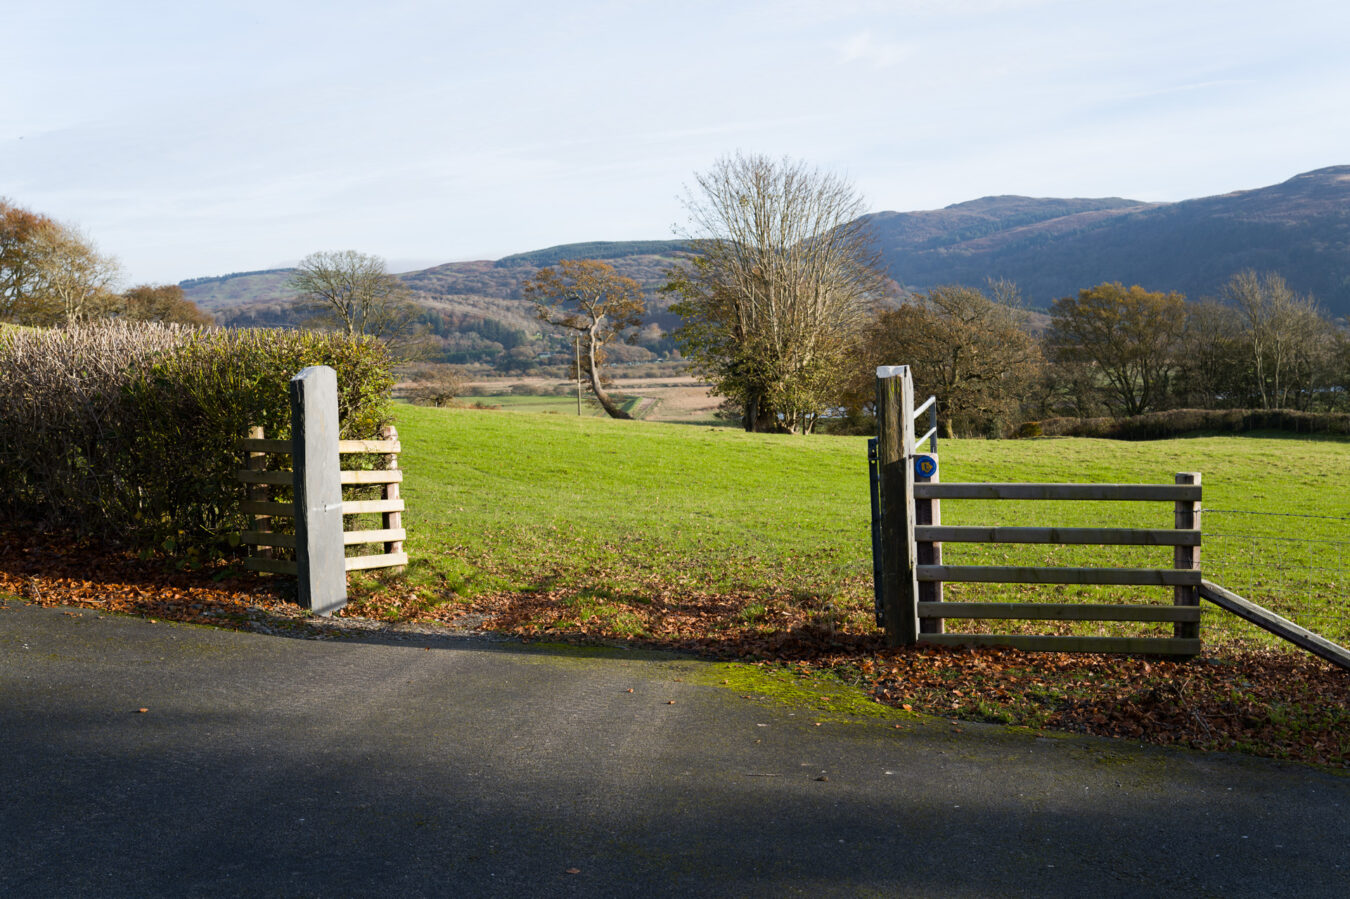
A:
x: 1181, y: 422
x: 124, y: 432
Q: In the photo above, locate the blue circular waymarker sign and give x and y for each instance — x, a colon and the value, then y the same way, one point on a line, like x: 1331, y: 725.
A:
x: 925, y: 466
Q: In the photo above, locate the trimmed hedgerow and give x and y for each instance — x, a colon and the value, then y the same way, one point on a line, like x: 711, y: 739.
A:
x: 1180, y: 422
x: 126, y: 432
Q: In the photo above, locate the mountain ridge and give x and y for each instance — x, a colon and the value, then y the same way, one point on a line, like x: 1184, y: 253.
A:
x: 1300, y: 228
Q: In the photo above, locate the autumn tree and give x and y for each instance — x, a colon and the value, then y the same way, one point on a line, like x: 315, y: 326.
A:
x: 160, y: 303
x: 49, y: 272
x: 1129, y: 335
x: 966, y: 349
x: 354, y: 293
x: 778, y: 281
x: 595, y: 304
x: 17, y: 275
x: 434, y: 385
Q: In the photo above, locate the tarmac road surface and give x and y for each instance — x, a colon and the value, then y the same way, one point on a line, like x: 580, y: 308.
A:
x: 268, y: 766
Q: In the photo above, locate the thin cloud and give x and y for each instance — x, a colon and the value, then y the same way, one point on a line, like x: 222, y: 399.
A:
x: 864, y: 47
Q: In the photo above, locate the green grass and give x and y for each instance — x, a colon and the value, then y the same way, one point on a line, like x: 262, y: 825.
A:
x: 624, y: 509
x: 529, y: 502
x: 559, y: 405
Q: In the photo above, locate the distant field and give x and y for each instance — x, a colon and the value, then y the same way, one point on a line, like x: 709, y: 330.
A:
x: 550, y: 404
x: 538, y: 502
x: 673, y: 399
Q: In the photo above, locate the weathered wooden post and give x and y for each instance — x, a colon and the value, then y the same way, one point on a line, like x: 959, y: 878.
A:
x: 928, y: 512
x: 321, y: 570
x: 895, y: 466
x: 391, y: 520
x: 1187, y: 557
x: 259, y: 493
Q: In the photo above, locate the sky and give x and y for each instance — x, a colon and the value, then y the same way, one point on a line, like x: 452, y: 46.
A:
x: 192, y: 139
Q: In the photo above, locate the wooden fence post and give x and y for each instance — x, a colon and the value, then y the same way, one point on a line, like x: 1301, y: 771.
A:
x: 1186, y: 557
x: 259, y: 492
x: 392, y: 520
x: 895, y: 467
x: 928, y: 511
x: 321, y: 570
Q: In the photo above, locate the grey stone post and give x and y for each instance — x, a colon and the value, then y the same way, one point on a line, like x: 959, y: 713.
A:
x: 322, y: 573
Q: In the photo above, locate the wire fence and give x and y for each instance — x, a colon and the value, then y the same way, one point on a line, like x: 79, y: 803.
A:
x: 1293, y: 564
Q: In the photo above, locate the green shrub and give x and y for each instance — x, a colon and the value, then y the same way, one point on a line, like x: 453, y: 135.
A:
x: 126, y: 432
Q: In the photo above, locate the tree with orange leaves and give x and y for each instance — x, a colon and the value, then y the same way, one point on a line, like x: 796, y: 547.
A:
x: 49, y: 272
x: 596, y: 303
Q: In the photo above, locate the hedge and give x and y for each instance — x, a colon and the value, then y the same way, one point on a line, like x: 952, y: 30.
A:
x: 1180, y: 422
x: 125, y: 432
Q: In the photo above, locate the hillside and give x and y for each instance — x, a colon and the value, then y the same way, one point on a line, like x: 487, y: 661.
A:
x: 1300, y: 228
x: 1049, y: 247
x: 475, y: 309
x: 643, y: 261
x: 976, y: 219
x: 228, y: 291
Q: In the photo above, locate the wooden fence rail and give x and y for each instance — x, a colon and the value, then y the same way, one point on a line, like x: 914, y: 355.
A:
x: 1184, y: 575
x: 391, y: 535
x: 909, y: 538
x: 1276, y: 624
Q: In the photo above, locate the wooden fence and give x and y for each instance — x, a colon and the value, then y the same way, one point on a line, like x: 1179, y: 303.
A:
x: 318, y: 507
x: 911, y: 572
x: 260, y: 476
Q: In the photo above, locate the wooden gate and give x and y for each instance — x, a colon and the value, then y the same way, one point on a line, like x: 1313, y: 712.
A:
x: 910, y: 570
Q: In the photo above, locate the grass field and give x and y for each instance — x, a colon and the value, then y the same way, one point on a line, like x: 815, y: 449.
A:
x: 618, y: 513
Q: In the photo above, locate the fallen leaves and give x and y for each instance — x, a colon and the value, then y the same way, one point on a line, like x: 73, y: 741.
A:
x: 51, y: 572
x: 1264, y: 701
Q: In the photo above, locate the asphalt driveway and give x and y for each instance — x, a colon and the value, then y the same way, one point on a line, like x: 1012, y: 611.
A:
x: 265, y: 765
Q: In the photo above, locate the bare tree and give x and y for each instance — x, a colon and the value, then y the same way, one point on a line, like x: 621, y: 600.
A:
x: 1288, y: 342
x: 354, y: 293
x: 1211, y: 361
x: 779, y: 280
x: 596, y: 304
x: 434, y: 385
x: 1340, y: 366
